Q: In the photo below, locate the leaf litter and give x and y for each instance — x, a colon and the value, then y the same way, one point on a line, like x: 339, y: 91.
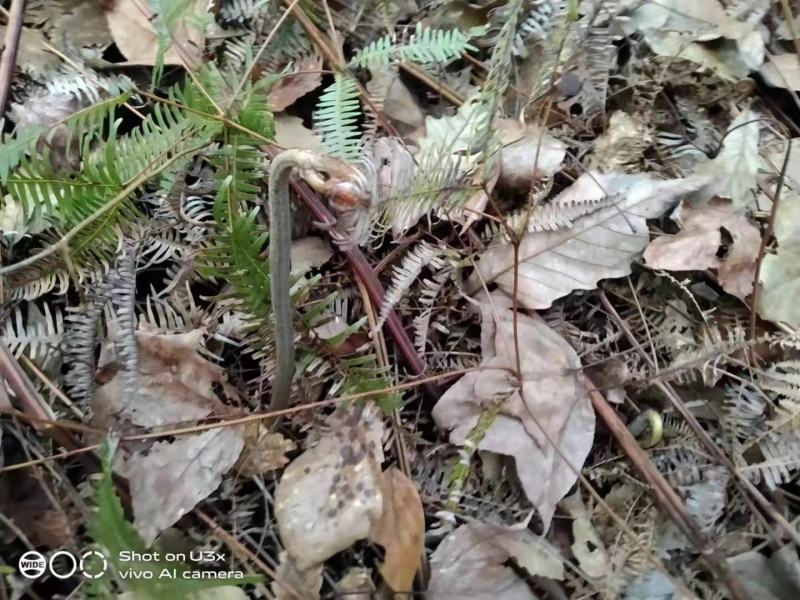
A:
x: 568, y: 203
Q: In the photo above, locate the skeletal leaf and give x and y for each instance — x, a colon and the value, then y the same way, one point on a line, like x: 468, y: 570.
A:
x: 552, y: 410
x: 173, y: 477
x: 470, y: 563
x: 599, y: 245
x: 331, y: 494
x: 306, y: 78
x: 400, y: 530
x: 697, y: 244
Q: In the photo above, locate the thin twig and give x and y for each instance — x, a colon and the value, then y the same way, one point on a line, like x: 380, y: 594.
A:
x: 9, y: 59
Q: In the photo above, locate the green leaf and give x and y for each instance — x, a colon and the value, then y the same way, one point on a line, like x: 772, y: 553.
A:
x: 426, y: 46
x: 336, y: 119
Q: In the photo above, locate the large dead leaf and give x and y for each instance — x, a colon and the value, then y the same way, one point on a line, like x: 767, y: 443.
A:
x: 176, y: 385
x: 306, y: 78
x: 470, y: 563
x: 782, y: 70
x: 696, y: 246
x: 168, y: 481
x: 528, y: 154
x: 394, y: 100
x: 555, y: 408
x: 400, y: 530
x: 130, y: 23
x: 599, y: 245
x: 331, y: 494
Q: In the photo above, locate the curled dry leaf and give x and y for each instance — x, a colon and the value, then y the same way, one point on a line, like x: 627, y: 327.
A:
x: 470, y: 563
x: 306, y: 77
x: 400, y: 530
x: 131, y: 26
x: 599, y: 245
x: 331, y: 494
x: 173, y: 477
x: 553, y: 408
x: 696, y: 246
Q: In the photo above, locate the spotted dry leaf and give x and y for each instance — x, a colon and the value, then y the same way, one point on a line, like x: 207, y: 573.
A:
x: 331, y: 494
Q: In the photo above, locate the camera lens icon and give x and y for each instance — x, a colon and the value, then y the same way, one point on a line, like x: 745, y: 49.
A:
x: 93, y: 564
x: 32, y: 564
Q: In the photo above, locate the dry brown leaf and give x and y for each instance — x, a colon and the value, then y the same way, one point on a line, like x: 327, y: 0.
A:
x: 331, y: 494
x: 264, y: 450
x: 599, y: 245
x: 696, y: 246
x: 176, y: 384
x: 554, y: 400
x: 173, y: 477
x: 292, y: 583
x: 130, y: 23
x: 400, y: 530
x: 306, y: 78
x: 469, y: 563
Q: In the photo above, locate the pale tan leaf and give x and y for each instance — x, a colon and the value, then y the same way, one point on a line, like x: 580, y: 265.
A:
x: 394, y: 100
x: 732, y: 173
x: 293, y: 583
x: 600, y: 245
x: 329, y: 496
x: 173, y: 477
x: 130, y: 23
x: 306, y: 78
x: 290, y: 133
x: 469, y: 564
x: 528, y: 155
x: 400, y: 530
x: 782, y: 70
x: 555, y: 409
x: 264, y: 450
x: 780, y: 272
x: 587, y: 547
x: 697, y: 245
x: 309, y: 253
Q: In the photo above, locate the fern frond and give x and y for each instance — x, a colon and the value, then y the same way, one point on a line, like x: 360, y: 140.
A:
x: 406, y: 273
x: 38, y: 334
x: 336, y: 119
x: 425, y: 46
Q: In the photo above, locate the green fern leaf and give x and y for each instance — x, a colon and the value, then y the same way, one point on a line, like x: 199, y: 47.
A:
x: 426, y: 46
x: 336, y: 119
